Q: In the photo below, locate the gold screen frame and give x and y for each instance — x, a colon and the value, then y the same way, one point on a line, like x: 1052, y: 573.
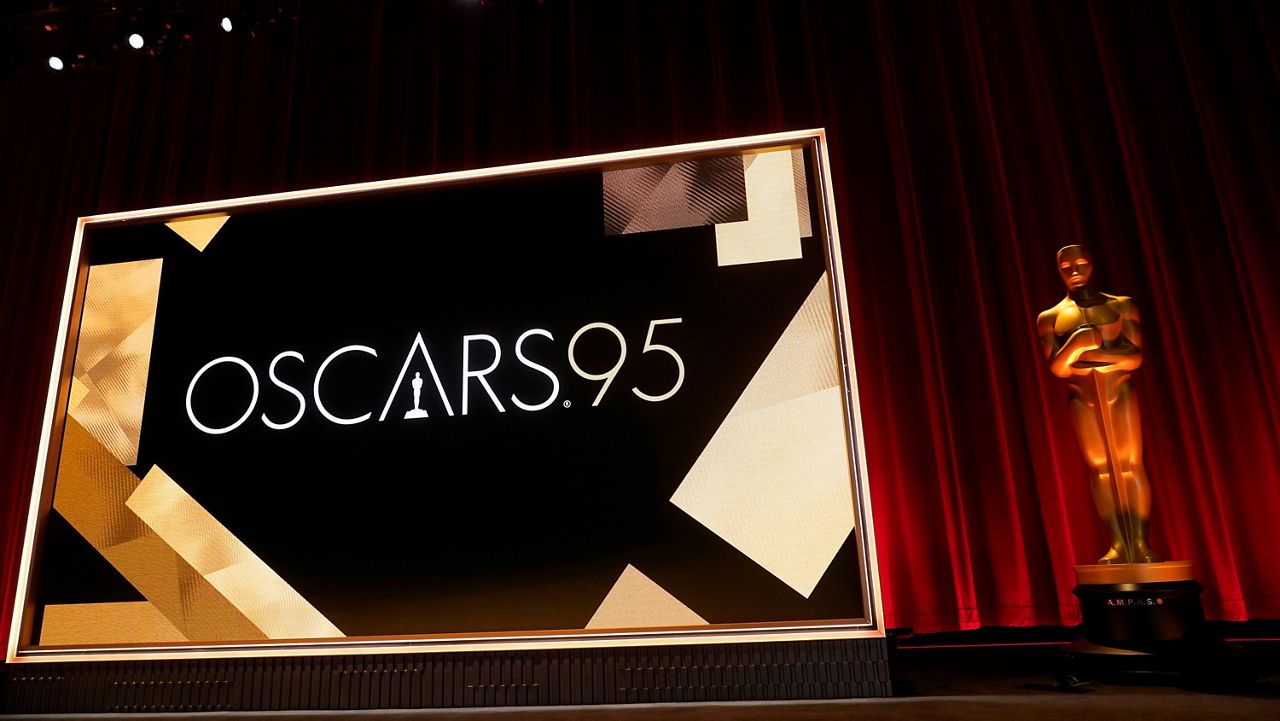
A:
x: 60, y: 387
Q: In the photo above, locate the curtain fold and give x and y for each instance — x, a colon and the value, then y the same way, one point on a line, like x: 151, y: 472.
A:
x: 968, y: 142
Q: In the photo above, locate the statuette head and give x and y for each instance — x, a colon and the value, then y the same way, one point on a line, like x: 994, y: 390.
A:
x: 1075, y: 265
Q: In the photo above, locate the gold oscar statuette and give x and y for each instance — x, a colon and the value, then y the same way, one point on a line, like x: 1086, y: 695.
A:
x: 1093, y: 341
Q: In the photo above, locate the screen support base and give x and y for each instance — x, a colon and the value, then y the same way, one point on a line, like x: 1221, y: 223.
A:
x: 853, y: 668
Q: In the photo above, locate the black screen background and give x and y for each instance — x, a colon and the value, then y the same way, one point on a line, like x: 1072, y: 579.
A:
x: 489, y: 522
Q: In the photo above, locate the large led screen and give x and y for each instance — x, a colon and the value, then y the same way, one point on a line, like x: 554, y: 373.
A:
x: 606, y: 400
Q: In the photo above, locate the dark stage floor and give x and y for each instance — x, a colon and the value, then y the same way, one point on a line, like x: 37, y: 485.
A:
x: 996, y: 674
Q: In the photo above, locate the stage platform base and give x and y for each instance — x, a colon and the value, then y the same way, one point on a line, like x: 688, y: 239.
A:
x: 856, y: 668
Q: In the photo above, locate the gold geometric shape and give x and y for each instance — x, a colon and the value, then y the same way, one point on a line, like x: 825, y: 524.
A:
x: 772, y: 229
x: 239, y: 598
x: 91, y: 490
x: 106, y: 623
x: 225, y: 563
x: 1135, y: 573
x: 113, y: 355
x: 78, y: 392
x: 774, y: 481
x: 198, y: 230
x: 635, y: 601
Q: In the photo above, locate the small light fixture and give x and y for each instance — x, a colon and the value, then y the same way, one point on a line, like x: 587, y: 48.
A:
x: 55, y: 62
x: 136, y: 42
x: 225, y: 24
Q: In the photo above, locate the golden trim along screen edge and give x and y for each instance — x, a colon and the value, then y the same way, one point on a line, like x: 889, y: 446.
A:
x: 59, y: 384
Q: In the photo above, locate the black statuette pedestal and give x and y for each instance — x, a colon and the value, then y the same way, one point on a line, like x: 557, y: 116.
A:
x: 1142, y: 622
x: 1142, y: 617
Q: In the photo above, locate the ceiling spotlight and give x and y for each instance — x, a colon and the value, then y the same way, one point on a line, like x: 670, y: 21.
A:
x: 225, y: 24
x: 135, y: 41
x: 55, y: 62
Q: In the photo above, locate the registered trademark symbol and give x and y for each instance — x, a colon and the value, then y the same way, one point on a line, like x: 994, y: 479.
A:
x: 568, y: 403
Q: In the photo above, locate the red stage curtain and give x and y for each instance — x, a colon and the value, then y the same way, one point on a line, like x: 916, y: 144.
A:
x: 969, y: 142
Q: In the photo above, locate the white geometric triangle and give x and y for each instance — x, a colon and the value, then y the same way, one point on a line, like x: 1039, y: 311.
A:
x: 775, y: 480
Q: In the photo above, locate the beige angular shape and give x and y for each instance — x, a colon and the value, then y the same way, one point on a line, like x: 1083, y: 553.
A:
x: 198, y: 230
x: 772, y: 229
x: 635, y: 601
x: 224, y: 562
x: 803, y: 360
x: 775, y: 481
x: 91, y: 491
x: 774, y: 484
x: 113, y: 353
x: 106, y: 623
x: 801, y: 181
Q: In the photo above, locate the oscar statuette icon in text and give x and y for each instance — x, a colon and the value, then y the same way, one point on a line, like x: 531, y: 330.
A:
x: 416, y: 411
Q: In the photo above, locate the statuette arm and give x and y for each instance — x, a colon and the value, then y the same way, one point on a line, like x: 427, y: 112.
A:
x: 1125, y: 353
x: 1062, y: 356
